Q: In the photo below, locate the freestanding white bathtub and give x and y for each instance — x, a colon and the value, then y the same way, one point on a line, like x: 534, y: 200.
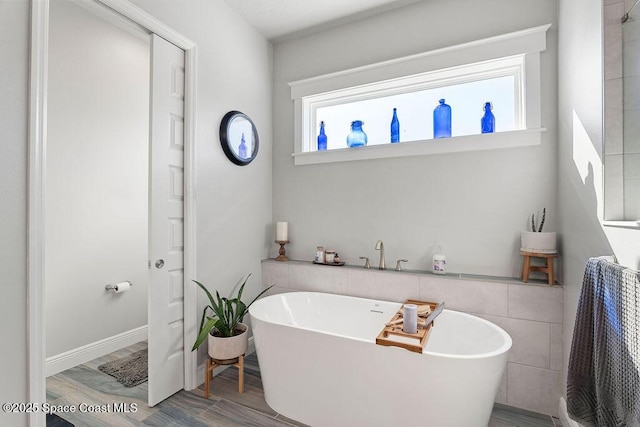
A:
x: 320, y: 364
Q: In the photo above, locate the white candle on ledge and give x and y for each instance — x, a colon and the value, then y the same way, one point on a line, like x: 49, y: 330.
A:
x: 410, y: 319
x: 282, y: 231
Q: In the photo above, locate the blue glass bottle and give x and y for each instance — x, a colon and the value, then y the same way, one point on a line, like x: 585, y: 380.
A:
x: 488, y: 121
x: 357, y: 137
x: 242, y: 148
x: 322, y: 138
x: 442, y: 121
x: 395, y: 128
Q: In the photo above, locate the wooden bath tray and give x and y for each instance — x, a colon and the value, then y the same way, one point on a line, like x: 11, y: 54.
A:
x: 412, y: 342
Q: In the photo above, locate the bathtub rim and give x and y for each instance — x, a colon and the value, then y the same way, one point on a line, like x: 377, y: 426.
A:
x: 503, y: 349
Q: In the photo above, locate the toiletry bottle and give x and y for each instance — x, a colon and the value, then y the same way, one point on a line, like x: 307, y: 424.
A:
x: 322, y: 138
x: 439, y: 262
x: 395, y: 128
x: 319, y: 257
x: 357, y: 137
x: 488, y: 121
x: 242, y: 148
x: 442, y: 120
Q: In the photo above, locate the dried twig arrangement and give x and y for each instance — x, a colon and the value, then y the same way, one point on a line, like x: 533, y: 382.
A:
x: 533, y: 221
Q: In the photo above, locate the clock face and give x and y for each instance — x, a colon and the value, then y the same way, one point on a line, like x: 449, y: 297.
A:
x: 239, y: 138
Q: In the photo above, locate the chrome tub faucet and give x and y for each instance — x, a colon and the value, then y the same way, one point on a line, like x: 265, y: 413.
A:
x: 380, y: 247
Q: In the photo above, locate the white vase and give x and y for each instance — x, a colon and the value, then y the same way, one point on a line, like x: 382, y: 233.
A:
x: 224, y: 348
x: 542, y: 243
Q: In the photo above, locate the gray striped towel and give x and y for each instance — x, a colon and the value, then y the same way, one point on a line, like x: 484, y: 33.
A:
x: 603, y: 382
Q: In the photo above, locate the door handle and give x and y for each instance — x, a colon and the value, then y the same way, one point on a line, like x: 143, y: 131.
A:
x: 159, y: 263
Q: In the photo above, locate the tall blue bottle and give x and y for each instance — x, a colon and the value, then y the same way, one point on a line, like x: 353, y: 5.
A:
x: 322, y: 138
x: 242, y: 148
x: 488, y: 121
x: 395, y: 128
x: 442, y: 121
x: 357, y: 137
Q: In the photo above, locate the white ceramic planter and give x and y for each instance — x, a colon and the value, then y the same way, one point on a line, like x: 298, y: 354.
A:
x: 223, y: 348
x: 544, y: 242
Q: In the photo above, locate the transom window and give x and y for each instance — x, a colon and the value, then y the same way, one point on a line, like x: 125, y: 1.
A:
x: 465, y: 89
x: 502, y: 70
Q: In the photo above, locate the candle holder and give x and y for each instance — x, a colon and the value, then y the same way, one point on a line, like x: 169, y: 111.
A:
x: 282, y: 256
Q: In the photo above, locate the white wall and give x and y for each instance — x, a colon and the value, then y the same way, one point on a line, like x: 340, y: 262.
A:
x: 234, y: 72
x: 14, y: 81
x: 233, y: 202
x: 97, y: 178
x: 580, y: 154
x: 483, y: 198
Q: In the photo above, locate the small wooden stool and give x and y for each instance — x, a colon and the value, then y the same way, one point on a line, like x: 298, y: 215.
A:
x: 212, y: 364
x: 547, y: 268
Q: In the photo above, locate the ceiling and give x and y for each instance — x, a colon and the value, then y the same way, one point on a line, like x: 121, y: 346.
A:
x: 276, y: 19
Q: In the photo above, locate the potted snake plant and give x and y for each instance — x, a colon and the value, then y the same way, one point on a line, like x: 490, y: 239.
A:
x: 222, y: 324
x: 536, y: 240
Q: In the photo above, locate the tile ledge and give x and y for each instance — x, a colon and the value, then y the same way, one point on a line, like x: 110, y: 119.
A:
x: 622, y: 224
x: 516, y: 281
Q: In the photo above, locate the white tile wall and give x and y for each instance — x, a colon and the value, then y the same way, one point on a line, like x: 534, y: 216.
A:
x: 532, y: 388
x: 470, y: 296
x: 531, y: 313
x: 555, y: 347
x: 613, y: 115
x: 309, y: 277
x: 632, y: 127
x: 275, y: 273
x: 613, y: 41
x: 614, y: 184
x: 531, y: 340
x: 383, y: 285
x: 501, y: 396
x: 536, y: 302
x: 631, y: 86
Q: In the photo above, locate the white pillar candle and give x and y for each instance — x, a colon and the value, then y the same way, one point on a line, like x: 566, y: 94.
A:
x: 282, y: 231
x: 410, y: 319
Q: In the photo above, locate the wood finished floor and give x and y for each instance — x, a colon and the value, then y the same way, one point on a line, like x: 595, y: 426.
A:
x: 225, y: 407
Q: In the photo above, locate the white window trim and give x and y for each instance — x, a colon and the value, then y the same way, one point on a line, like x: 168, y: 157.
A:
x: 440, y: 63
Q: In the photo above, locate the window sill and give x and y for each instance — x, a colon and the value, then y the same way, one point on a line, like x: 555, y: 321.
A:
x: 493, y: 141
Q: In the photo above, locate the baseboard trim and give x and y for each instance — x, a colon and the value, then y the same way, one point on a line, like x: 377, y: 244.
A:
x: 564, y: 415
x: 80, y: 355
x: 201, y: 367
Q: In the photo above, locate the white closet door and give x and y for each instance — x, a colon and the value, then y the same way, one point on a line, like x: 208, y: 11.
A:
x: 166, y: 217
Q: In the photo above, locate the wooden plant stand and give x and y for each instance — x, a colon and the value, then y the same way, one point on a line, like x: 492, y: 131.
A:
x: 212, y: 364
x: 547, y: 268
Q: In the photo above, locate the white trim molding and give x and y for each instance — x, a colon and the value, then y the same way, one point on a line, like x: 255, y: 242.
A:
x: 515, y: 43
x: 80, y: 355
x: 456, y: 144
x: 36, y: 214
x: 37, y: 189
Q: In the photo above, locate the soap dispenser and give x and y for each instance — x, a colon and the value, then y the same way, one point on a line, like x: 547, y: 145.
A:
x: 439, y: 262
